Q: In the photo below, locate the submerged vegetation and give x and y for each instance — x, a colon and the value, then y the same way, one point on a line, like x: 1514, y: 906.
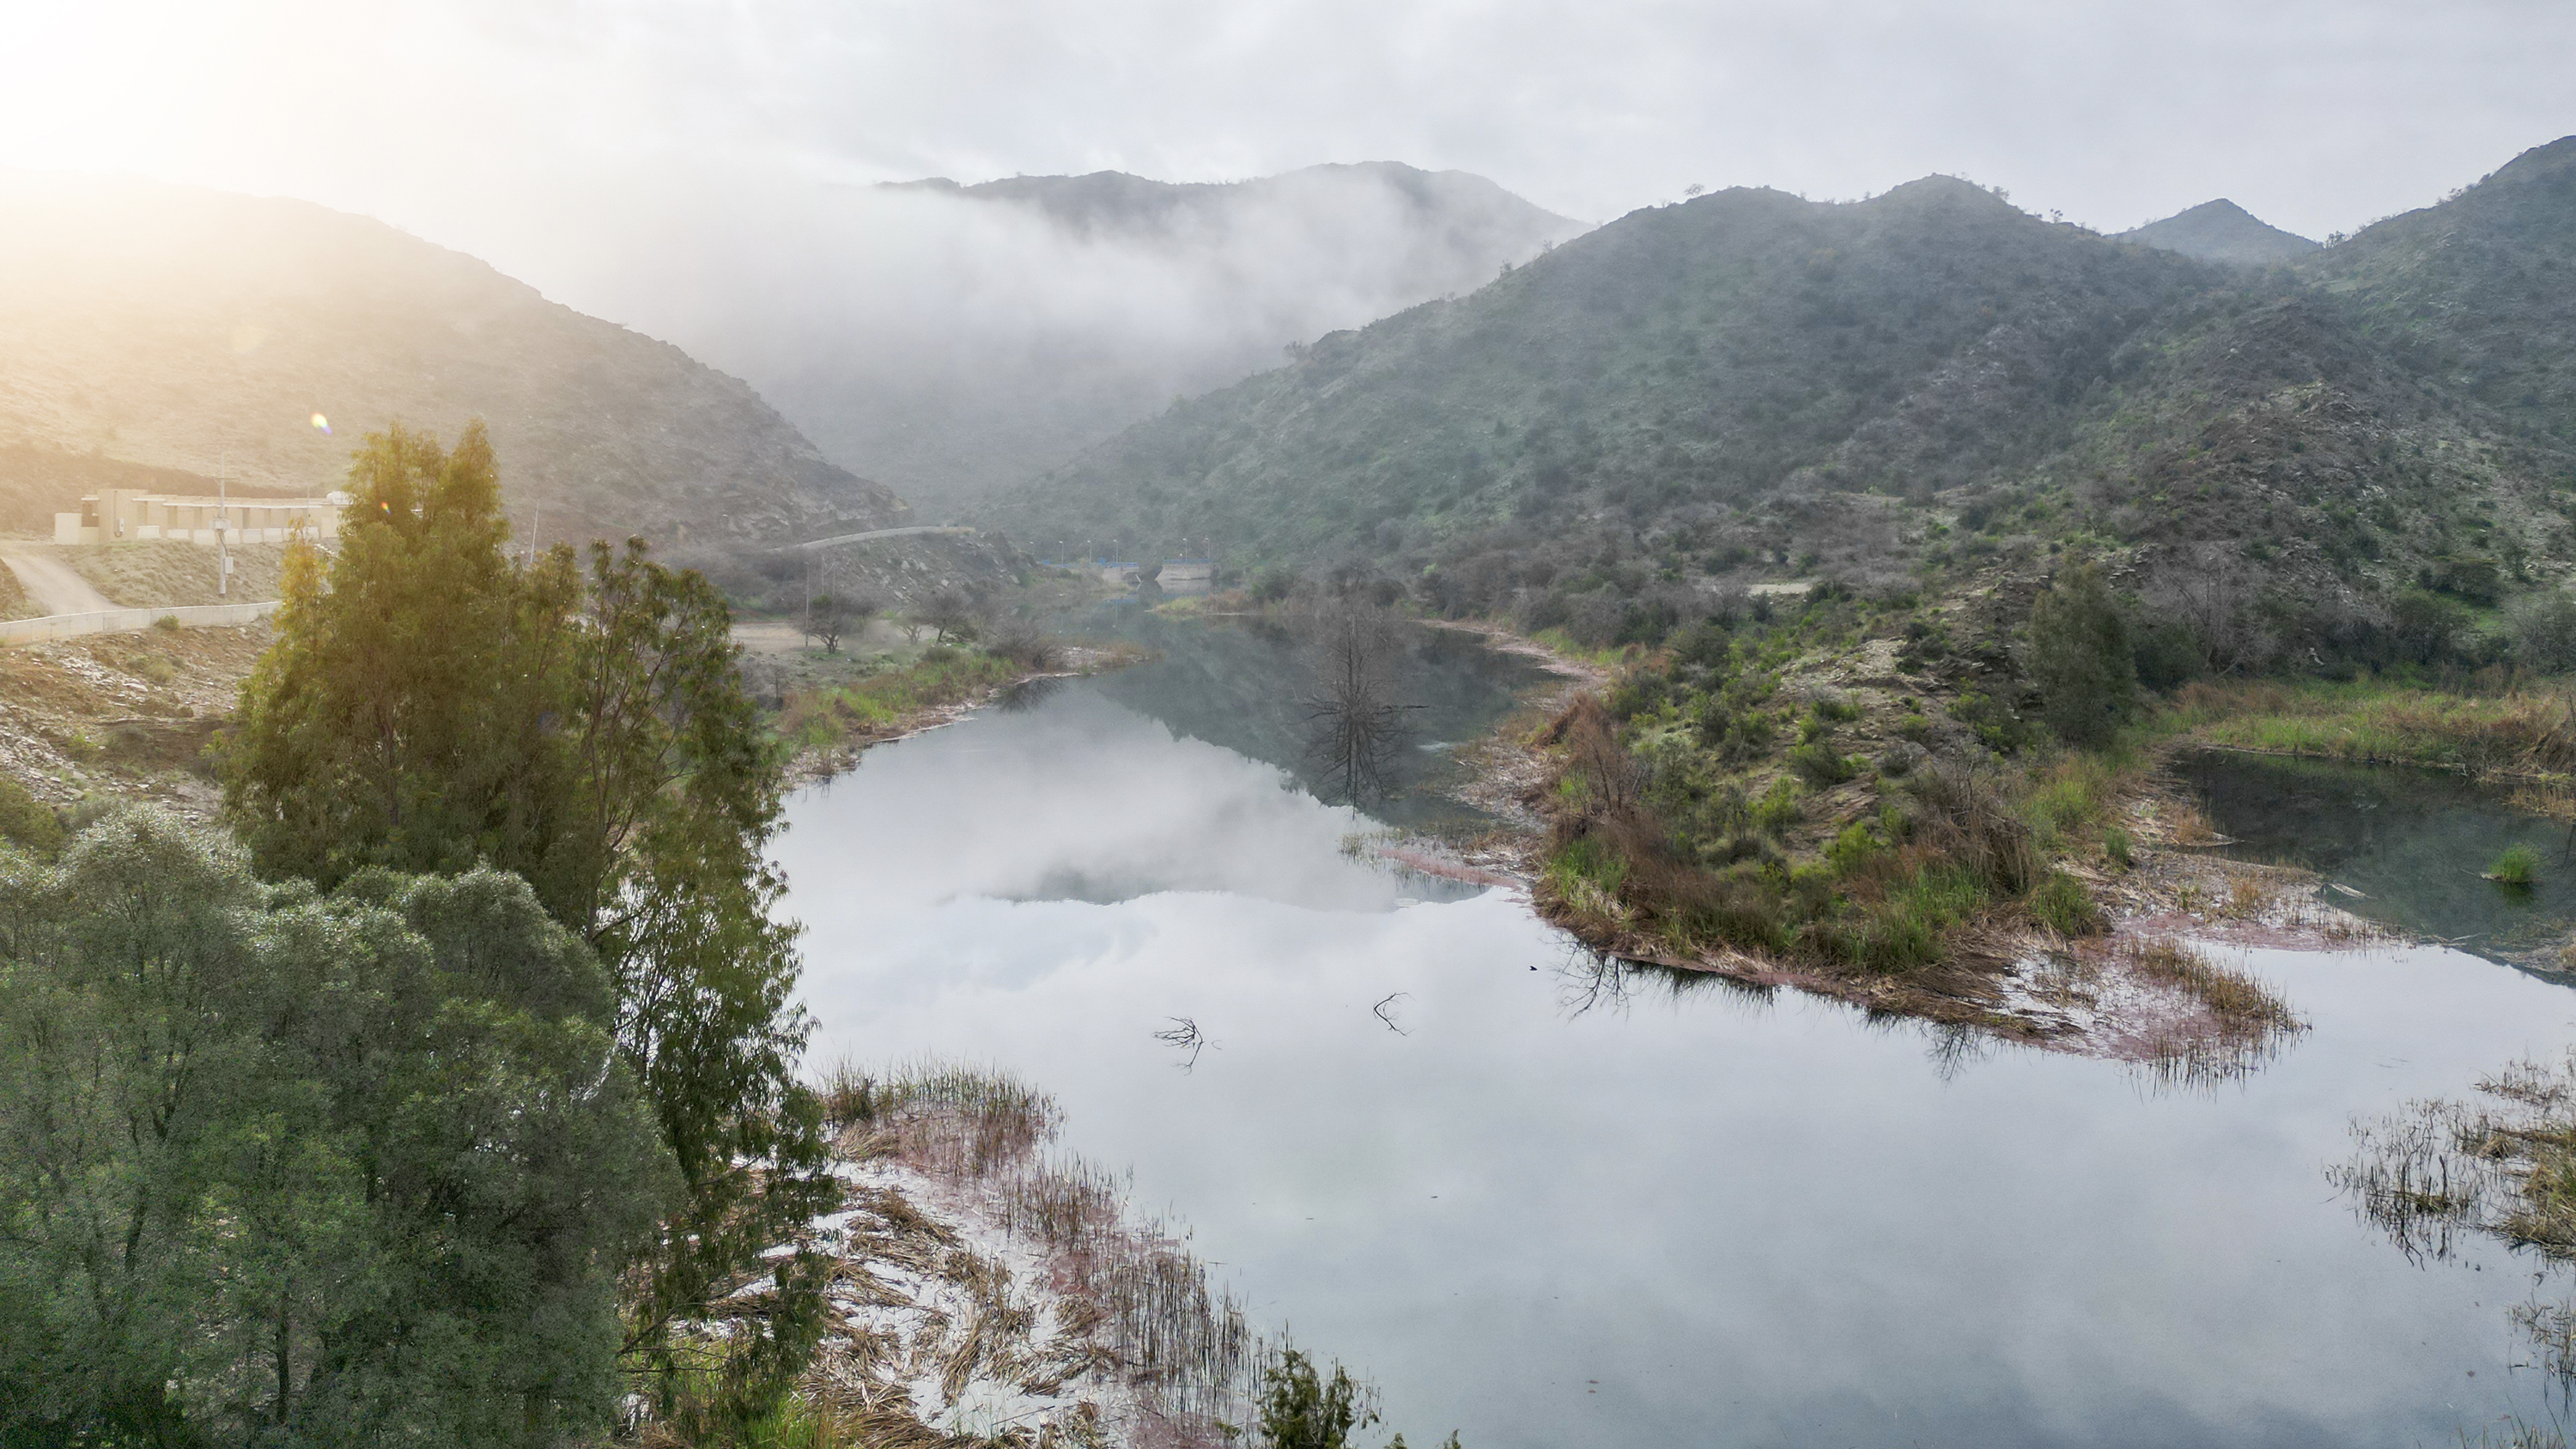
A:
x: 2500, y: 1167
x: 1096, y: 1323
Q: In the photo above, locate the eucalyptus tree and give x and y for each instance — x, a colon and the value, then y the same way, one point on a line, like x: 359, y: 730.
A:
x: 427, y: 704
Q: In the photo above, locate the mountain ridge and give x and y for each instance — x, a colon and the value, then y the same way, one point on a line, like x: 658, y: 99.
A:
x: 2221, y: 231
x: 951, y: 339
x: 196, y: 331
x: 1749, y: 386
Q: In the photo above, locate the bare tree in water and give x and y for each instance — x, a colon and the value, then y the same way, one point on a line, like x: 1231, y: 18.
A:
x: 1356, y: 723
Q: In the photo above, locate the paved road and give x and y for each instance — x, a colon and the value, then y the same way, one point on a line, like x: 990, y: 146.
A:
x: 53, y: 587
x: 881, y: 533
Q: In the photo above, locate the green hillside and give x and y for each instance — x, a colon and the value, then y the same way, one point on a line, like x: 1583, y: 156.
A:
x: 1751, y: 386
x: 2480, y: 291
x: 1894, y: 505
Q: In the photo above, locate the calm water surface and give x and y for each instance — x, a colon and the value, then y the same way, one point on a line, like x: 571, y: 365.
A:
x: 1549, y: 1213
x: 2413, y: 843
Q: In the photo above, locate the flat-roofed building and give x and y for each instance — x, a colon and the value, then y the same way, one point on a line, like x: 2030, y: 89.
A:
x: 1182, y: 577
x: 114, y: 514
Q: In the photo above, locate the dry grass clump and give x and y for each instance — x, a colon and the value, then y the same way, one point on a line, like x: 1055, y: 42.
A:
x: 2188, y: 824
x: 1131, y: 1302
x: 948, y: 1121
x: 2248, y: 899
x: 2234, y: 997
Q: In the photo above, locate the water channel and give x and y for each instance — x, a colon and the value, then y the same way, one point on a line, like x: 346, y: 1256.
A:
x: 1545, y: 1208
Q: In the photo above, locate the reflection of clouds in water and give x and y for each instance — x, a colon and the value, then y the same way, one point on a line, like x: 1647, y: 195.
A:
x: 1079, y: 799
x: 1734, y: 1207
x: 1812, y: 1232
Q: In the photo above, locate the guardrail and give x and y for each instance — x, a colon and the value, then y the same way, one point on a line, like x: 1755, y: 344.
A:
x: 125, y: 621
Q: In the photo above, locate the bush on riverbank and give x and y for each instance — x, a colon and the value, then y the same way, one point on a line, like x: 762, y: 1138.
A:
x: 291, y: 1168
x: 886, y: 701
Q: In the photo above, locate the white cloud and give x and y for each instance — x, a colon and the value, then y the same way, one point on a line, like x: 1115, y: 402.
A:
x: 2316, y: 114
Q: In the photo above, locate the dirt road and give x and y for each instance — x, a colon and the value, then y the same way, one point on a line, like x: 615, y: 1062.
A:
x: 53, y: 586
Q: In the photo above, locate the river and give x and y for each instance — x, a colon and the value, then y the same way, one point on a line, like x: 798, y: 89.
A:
x: 1545, y: 1206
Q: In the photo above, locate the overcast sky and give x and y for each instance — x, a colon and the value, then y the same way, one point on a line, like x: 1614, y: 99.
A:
x: 466, y: 121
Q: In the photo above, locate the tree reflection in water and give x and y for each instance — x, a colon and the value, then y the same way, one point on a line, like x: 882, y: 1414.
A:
x: 1355, y: 722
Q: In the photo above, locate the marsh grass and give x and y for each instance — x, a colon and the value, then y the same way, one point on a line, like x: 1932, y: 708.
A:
x: 2522, y: 731
x: 2498, y: 1167
x: 2244, y: 1004
x: 2502, y: 1165
x: 2187, y: 824
x: 825, y: 716
x: 2517, y: 867
x: 1125, y: 1282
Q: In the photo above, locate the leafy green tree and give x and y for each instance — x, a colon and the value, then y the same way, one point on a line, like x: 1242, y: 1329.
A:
x: 1300, y: 1409
x: 287, y: 1169
x: 427, y: 705
x: 2081, y: 659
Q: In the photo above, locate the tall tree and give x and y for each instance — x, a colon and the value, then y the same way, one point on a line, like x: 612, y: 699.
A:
x: 2081, y: 657
x: 427, y: 704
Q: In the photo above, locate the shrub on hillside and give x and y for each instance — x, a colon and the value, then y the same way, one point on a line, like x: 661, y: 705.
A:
x: 2542, y: 627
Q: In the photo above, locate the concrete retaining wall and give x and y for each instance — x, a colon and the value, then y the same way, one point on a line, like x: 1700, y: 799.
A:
x: 126, y: 621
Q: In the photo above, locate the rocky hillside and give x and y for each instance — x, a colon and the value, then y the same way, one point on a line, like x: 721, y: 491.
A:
x: 2221, y: 231
x: 1751, y: 386
x: 168, y: 333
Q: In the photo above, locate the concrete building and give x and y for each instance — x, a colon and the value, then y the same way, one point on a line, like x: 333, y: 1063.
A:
x: 130, y: 513
x: 1183, y: 577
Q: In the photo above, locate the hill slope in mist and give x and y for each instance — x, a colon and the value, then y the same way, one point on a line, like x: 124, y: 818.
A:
x: 2222, y: 231
x: 168, y: 333
x: 1751, y: 385
x: 950, y: 339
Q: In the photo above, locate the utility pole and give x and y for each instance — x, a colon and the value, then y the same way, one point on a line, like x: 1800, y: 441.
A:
x: 223, y: 524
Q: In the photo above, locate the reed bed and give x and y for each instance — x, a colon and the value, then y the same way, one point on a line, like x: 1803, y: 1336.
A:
x: 1132, y: 1305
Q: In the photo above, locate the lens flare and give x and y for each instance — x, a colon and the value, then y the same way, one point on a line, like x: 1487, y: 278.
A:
x: 323, y: 423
